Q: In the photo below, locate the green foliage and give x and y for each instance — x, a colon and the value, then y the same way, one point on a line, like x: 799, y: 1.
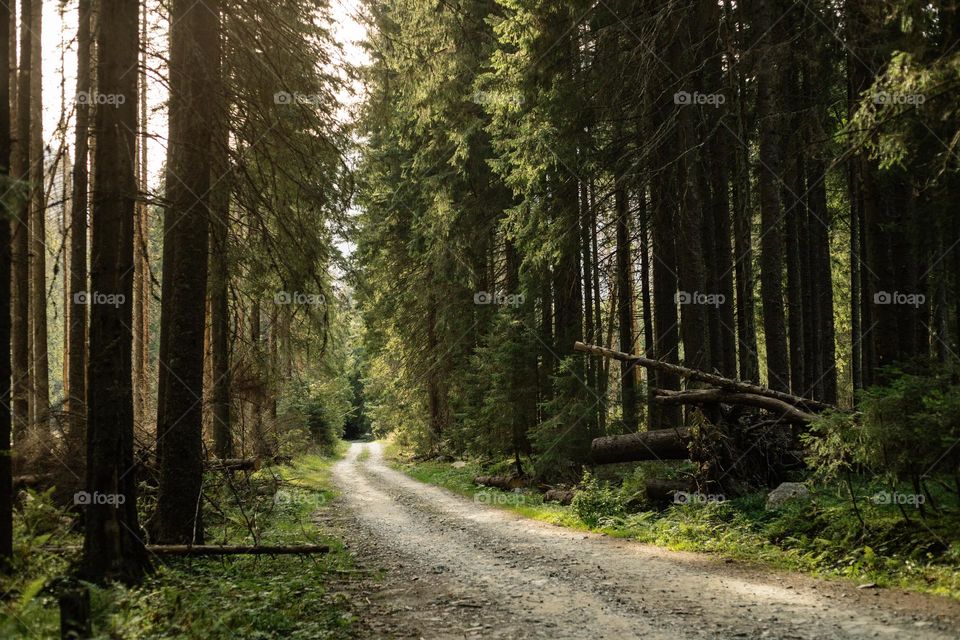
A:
x: 596, y: 502
x: 237, y: 597
x: 904, y: 431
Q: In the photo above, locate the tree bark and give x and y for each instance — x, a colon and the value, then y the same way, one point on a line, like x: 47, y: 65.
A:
x: 77, y: 354
x: 219, y: 271
x: 141, y: 270
x: 193, y: 68
x: 40, y: 407
x: 113, y: 544
x: 20, y: 294
x: 628, y: 376
x: 6, y: 256
x: 769, y: 178
x: 658, y: 444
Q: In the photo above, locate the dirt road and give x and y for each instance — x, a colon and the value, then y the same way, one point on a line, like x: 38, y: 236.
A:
x: 457, y: 569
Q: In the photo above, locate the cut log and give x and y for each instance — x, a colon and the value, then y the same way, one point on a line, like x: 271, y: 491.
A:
x: 727, y: 384
x: 659, y: 444
x: 507, y: 483
x: 233, y: 464
x: 783, y: 410
x: 563, y: 496
x: 662, y: 492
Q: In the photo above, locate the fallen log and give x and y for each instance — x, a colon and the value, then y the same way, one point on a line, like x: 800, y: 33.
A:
x: 507, y: 483
x: 233, y: 464
x: 181, y: 550
x: 784, y: 410
x: 727, y: 384
x: 31, y: 481
x: 659, y: 444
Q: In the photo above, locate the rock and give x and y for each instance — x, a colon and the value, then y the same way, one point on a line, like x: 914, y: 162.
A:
x: 459, y: 464
x: 786, y: 492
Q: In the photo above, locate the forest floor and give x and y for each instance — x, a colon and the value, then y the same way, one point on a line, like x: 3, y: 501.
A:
x: 456, y: 568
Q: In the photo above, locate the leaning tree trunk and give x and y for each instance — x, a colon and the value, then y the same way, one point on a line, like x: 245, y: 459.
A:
x: 193, y: 69
x: 113, y: 546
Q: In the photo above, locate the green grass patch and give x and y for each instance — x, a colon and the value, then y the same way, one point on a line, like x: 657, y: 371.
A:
x: 212, y: 598
x: 821, y: 536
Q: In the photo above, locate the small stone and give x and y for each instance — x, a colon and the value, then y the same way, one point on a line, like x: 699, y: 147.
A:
x: 786, y: 492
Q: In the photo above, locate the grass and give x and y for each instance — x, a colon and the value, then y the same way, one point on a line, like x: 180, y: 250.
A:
x: 822, y: 536
x: 235, y: 597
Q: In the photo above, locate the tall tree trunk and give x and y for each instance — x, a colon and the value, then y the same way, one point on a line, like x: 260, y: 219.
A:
x: 193, y: 69
x: 141, y: 270
x: 6, y: 257
x: 769, y: 179
x: 648, y: 343
x: 20, y: 294
x: 219, y: 270
x: 77, y: 354
x: 628, y: 386
x: 747, y: 356
x: 113, y: 546
x: 40, y: 409
x: 692, y: 277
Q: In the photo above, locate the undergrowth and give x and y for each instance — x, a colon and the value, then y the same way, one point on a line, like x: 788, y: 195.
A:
x: 210, y: 598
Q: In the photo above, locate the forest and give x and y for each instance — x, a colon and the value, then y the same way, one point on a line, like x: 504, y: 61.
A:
x: 309, y: 300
